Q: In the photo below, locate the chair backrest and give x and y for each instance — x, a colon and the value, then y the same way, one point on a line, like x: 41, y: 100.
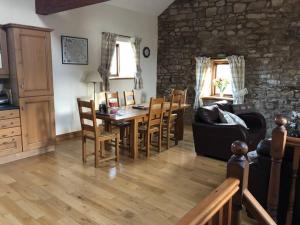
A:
x: 112, y: 99
x: 180, y: 94
x: 129, y: 98
x: 155, y: 115
x: 87, y: 114
x: 174, y: 102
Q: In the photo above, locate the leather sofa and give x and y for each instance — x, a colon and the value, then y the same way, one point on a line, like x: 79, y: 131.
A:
x: 213, y: 138
x: 259, y: 175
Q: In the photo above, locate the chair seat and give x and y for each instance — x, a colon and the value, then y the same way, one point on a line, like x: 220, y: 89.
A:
x: 173, y: 116
x: 103, y: 135
x: 143, y: 129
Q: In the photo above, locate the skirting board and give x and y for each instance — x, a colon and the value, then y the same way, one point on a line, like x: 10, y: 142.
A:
x: 23, y: 155
x: 68, y: 136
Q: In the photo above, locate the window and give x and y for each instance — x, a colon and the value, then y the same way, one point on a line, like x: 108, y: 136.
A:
x: 123, y: 63
x: 221, y: 70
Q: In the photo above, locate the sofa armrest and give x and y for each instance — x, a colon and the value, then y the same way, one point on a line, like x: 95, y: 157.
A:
x: 253, y: 120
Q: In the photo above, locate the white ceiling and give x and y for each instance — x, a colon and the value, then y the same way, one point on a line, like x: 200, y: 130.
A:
x: 154, y: 7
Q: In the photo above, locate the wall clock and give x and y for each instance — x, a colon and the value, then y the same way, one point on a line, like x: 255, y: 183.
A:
x: 146, y: 52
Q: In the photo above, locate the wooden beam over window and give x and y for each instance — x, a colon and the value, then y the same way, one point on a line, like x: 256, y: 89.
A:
x: 46, y: 7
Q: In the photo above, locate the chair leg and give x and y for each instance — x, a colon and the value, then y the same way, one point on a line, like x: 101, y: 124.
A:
x: 102, y: 146
x: 117, y: 140
x: 159, y: 140
x: 168, y: 137
x: 97, y: 145
x: 175, y: 135
x: 148, y: 144
x: 84, y: 150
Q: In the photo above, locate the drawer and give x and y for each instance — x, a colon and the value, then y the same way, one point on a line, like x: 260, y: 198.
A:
x: 9, y: 123
x: 10, y: 145
x: 10, y: 132
x: 9, y: 114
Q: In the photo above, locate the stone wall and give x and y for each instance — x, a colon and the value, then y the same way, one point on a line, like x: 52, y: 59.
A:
x: 266, y: 32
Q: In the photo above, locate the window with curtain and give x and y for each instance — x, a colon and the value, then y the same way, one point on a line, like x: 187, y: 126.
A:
x: 221, y: 72
x: 123, y: 64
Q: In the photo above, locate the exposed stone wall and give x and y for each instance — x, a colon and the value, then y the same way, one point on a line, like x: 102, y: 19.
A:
x: 266, y: 32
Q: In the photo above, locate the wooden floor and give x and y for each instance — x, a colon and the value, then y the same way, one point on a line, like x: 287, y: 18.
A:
x: 57, y: 189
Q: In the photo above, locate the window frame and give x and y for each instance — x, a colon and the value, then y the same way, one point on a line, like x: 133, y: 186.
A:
x: 118, y: 64
x: 215, y: 63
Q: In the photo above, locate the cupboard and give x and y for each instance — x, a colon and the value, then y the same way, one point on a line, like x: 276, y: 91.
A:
x: 30, y: 63
x: 4, y: 67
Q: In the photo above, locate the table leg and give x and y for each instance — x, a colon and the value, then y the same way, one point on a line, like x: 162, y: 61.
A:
x: 134, y: 138
x: 180, y: 125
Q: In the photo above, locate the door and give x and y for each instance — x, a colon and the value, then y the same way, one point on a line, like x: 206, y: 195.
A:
x: 4, y: 67
x: 33, y: 60
x: 37, y: 122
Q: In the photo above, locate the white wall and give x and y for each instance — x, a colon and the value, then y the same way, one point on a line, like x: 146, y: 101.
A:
x: 87, y: 22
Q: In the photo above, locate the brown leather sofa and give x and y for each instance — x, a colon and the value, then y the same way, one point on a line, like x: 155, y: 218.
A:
x: 213, y: 138
x: 259, y: 176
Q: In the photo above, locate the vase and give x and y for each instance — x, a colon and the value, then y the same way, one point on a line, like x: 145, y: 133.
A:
x: 221, y: 94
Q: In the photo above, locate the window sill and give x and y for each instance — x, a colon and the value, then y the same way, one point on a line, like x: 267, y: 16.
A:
x: 215, y: 97
x: 121, y: 78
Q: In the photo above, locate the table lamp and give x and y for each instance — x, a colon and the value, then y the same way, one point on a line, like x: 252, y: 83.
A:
x: 93, y: 77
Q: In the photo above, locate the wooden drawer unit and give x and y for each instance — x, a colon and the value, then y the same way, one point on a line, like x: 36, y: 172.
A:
x: 10, y: 145
x: 10, y: 132
x: 8, y: 123
x: 9, y: 114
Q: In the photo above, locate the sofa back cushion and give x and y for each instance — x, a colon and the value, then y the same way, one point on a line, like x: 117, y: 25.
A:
x: 208, y: 114
x: 225, y: 106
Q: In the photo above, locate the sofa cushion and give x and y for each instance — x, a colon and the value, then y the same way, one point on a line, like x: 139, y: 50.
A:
x: 230, y: 118
x: 225, y: 106
x: 208, y: 114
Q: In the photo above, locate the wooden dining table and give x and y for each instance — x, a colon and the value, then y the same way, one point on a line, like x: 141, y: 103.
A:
x: 136, y: 116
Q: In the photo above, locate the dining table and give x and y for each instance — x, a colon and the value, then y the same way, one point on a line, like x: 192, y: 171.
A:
x: 136, y: 115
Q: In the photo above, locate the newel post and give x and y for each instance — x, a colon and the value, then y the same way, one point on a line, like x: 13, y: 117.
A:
x: 279, y: 135
x: 238, y: 167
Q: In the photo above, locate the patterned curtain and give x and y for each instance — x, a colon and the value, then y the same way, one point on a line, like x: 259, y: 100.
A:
x: 237, y: 67
x: 107, y: 51
x: 138, y: 80
x: 203, y: 66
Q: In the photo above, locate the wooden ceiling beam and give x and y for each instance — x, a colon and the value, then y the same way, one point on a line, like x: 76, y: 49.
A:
x: 46, y: 7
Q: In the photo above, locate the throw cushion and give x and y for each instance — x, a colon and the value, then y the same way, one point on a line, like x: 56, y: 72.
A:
x: 225, y: 106
x: 208, y: 114
x: 230, y: 118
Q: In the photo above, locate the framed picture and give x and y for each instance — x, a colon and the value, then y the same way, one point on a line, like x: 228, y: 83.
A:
x: 74, y: 50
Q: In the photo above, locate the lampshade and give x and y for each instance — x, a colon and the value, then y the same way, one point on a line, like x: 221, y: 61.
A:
x: 93, y: 77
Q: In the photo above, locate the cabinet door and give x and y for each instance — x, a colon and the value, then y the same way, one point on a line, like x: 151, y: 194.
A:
x: 4, y: 67
x: 33, y: 61
x: 37, y: 122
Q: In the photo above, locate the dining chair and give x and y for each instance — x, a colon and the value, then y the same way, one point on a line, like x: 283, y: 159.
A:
x: 182, y: 93
x: 169, y: 122
x: 153, y: 125
x: 129, y: 98
x: 112, y: 100
x: 91, y: 131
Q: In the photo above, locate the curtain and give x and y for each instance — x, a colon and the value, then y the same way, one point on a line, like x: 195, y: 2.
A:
x: 107, y: 51
x: 203, y: 65
x: 138, y: 80
x: 237, y: 67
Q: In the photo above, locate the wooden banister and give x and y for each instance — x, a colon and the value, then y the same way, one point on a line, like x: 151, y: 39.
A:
x: 256, y: 210
x: 205, y: 211
x: 294, y: 142
x: 278, y: 143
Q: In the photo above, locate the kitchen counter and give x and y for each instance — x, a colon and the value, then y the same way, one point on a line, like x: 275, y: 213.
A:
x: 8, y: 107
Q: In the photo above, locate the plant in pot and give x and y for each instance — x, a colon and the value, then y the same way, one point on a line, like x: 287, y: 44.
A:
x: 221, y: 84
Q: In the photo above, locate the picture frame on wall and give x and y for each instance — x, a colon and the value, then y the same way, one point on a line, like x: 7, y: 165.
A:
x: 74, y: 50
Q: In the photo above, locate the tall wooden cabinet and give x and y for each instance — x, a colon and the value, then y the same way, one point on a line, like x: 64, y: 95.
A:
x: 32, y: 86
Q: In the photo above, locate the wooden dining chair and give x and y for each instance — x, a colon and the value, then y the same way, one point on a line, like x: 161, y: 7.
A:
x: 91, y: 131
x: 129, y: 98
x: 112, y: 100
x: 154, y: 124
x: 169, y: 122
x: 181, y: 93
